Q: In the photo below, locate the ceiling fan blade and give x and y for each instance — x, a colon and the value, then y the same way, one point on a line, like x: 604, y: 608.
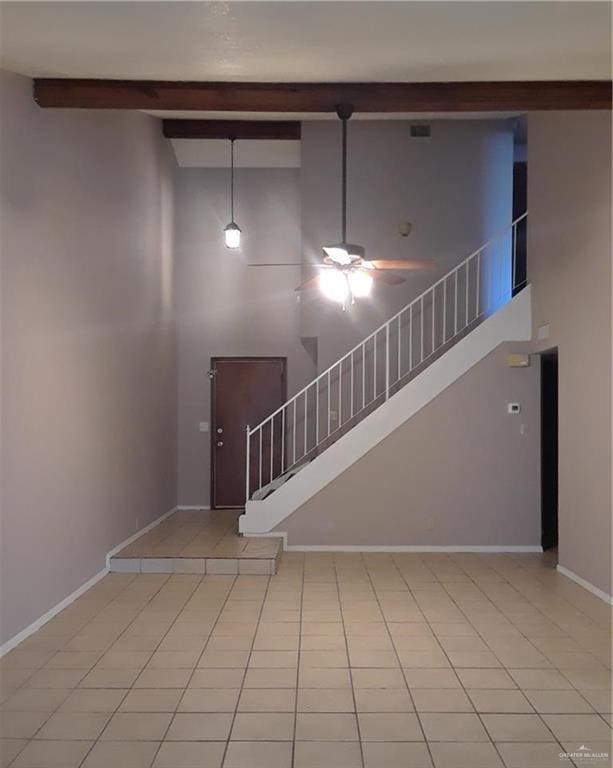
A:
x: 403, y: 264
x: 386, y: 277
x: 310, y: 283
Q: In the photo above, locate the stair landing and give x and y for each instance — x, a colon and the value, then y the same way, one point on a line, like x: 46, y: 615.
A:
x: 199, y: 541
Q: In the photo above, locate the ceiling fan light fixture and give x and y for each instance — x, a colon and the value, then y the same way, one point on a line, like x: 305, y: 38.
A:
x: 334, y: 286
x: 360, y: 284
x: 344, y: 253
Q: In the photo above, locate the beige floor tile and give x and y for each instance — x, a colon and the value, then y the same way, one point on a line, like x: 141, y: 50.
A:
x: 224, y: 659
x: 539, y: 679
x: 270, y: 678
x: 9, y: 749
x: 52, y: 754
x: 383, y: 700
x: 396, y: 755
x: 588, y: 679
x: 269, y: 642
x: 73, y: 660
x: 526, y: 755
x: 199, y: 727
x: 74, y: 725
x: 511, y: 727
x: 441, y: 700
x: 123, y: 660
x: 327, y: 754
x: 485, y: 700
x: 325, y: 700
x: 109, y: 678
x: 601, y: 701
x: 186, y: 659
x: 217, y: 678
x: 251, y: 726
x: 163, y: 678
x: 55, y: 678
x: 137, y: 726
x: 374, y: 659
x: 582, y: 728
x: 452, y: 727
x: 273, y: 659
x: 209, y: 700
x: 267, y: 700
x: 389, y: 726
x: 94, y: 700
x: 559, y: 702
x: 464, y: 755
x: 312, y: 677
x: 326, y: 727
x: 190, y: 754
x: 258, y: 754
x: 324, y: 659
x: 431, y: 678
x: 36, y: 700
x: 122, y: 754
x: 491, y: 679
x: 21, y: 725
x: 378, y: 678
x: 151, y: 700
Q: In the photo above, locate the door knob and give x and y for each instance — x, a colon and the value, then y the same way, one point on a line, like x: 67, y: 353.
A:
x: 219, y: 443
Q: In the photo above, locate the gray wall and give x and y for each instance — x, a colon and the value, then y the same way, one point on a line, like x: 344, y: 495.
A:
x: 226, y: 308
x: 569, y: 247
x: 459, y: 472
x: 88, y: 351
x: 455, y: 188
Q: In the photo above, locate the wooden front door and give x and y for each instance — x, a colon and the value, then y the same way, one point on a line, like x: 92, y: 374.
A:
x: 245, y: 390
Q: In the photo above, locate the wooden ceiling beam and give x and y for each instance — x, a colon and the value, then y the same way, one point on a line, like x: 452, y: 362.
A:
x: 323, y: 97
x: 232, y: 129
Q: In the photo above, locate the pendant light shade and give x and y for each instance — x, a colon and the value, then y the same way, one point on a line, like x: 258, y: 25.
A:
x: 232, y: 232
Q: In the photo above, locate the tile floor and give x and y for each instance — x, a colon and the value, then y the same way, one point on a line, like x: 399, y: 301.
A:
x: 198, y: 542
x: 337, y: 661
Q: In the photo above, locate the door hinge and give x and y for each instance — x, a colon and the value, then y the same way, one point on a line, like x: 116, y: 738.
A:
x: 212, y: 373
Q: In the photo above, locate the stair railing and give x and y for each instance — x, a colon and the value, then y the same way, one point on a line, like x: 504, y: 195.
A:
x: 387, y: 359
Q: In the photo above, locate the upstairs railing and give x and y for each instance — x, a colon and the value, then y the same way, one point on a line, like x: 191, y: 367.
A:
x: 386, y: 360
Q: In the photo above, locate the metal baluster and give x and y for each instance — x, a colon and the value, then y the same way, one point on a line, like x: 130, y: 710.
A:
x: 272, y: 444
x: 433, y: 319
x: 316, y: 412
x: 283, y: 439
x: 340, y: 395
x: 422, y: 331
x: 351, y: 397
x: 247, y: 467
x: 374, y: 382
x: 306, y: 416
x: 387, y: 360
x: 455, y: 302
x: 444, y: 311
x: 410, y: 338
x: 467, y: 284
x: 328, y: 403
x: 294, y: 430
x: 478, y: 283
x: 260, y: 463
x: 399, y: 348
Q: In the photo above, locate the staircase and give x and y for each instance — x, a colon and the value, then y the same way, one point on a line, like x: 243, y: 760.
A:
x: 384, y: 380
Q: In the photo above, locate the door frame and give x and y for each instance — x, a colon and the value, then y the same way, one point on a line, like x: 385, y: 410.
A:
x: 213, y: 426
x: 549, y: 470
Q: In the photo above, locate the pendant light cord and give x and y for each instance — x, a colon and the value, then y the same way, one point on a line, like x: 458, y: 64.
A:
x: 344, y: 182
x: 232, y: 180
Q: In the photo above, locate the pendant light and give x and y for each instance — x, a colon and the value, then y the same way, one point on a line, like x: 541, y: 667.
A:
x: 232, y: 232
x: 340, y: 282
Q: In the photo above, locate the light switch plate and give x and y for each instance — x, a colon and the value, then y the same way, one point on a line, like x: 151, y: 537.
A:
x: 203, y: 426
x: 513, y: 408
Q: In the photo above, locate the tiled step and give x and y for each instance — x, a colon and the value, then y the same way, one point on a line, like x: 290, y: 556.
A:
x: 198, y: 542
x: 202, y: 565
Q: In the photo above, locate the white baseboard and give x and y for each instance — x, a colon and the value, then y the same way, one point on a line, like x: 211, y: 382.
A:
x: 126, y: 542
x: 38, y: 623
x: 188, y: 508
x: 585, y: 584
x: 511, y: 548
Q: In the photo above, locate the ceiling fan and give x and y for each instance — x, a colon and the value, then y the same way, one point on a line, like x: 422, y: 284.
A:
x: 344, y: 272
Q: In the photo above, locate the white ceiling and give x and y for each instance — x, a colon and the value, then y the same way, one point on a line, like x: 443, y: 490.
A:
x: 308, y: 41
